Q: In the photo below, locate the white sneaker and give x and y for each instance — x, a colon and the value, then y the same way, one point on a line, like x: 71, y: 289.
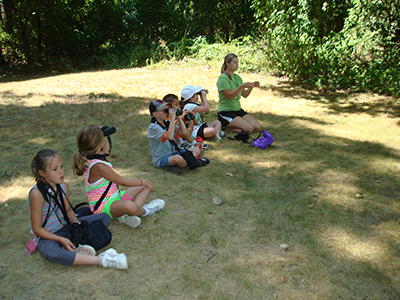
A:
x: 86, y: 250
x: 154, y: 206
x: 110, y: 251
x: 131, y: 221
x: 221, y: 134
x: 111, y: 259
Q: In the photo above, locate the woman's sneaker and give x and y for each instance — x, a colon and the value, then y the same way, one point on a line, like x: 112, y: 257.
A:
x: 111, y: 259
x: 153, y: 206
x: 86, y: 250
x: 131, y: 221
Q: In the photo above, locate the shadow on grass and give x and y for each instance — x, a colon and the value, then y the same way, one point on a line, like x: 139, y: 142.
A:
x: 340, y: 102
x: 274, y: 186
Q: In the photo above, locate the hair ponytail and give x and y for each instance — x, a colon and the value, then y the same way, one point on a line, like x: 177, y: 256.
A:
x: 227, y: 59
x: 79, y: 164
x: 88, y: 140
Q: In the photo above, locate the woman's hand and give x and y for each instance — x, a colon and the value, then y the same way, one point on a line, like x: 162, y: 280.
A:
x: 67, y: 244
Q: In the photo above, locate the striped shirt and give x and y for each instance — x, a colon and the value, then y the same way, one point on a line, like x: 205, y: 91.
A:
x: 95, y: 190
x: 53, y: 223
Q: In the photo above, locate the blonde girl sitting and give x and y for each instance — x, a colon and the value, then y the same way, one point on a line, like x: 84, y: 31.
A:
x: 126, y: 205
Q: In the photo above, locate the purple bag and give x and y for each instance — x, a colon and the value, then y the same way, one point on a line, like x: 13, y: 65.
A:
x: 262, y: 143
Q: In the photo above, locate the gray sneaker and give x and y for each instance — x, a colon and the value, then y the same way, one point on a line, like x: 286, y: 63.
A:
x: 154, y: 206
x: 131, y: 221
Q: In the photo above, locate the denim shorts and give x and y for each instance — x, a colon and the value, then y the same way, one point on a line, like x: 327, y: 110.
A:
x: 164, y: 161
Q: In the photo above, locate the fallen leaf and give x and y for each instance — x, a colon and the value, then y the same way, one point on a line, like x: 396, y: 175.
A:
x: 315, y: 195
x: 146, y: 169
x: 359, y: 195
x: 161, y: 270
x: 284, y: 247
x: 378, y: 181
x: 284, y: 279
x: 311, y: 206
x: 398, y: 221
x: 229, y: 174
x: 345, y: 145
x: 297, y: 256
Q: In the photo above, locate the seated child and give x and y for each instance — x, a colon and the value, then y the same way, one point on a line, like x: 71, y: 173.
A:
x: 190, y: 96
x: 51, y: 217
x: 186, y: 140
x: 163, y: 134
x: 101, y: 179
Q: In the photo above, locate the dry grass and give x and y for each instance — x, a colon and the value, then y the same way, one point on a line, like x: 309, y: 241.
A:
x: 329, y: 147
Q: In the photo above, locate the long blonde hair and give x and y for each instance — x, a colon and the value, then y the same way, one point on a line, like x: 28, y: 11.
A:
x: 88, y: 140
x: 228, y: 58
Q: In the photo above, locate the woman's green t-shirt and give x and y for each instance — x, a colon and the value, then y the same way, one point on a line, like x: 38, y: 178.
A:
x: 224, y: 83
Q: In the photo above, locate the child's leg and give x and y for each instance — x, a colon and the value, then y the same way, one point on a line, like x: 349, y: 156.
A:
x: 177, y: 160
x: 86, y: 260
x: 209, y: 132
x: 131, y: 203
x: 195, y: 151
x: 137, y: 194
x: 54, y: 252
x: 217, y: 125
x: 122, y: 207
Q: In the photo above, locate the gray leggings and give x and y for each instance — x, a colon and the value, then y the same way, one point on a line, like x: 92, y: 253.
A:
x: 54, y: 251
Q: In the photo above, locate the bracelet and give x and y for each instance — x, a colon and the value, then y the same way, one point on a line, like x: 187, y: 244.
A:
x: 141, y: 182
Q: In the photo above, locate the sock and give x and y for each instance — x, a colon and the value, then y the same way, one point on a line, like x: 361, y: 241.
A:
x: 101, y: 260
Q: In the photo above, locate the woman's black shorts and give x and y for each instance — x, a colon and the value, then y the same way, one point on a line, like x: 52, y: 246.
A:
x: 225, y: 117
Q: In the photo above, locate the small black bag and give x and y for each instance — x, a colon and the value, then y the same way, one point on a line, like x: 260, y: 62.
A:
x: 190, y: 159
x: 99, y: 235
x: 241, y: 136
x: 82, y: 209
x: 95, y: 234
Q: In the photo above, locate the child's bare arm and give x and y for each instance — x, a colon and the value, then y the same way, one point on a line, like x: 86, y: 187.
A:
x: 36, y: 206
x: 102, y: 170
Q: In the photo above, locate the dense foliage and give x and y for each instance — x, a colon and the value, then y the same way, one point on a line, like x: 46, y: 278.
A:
x: 329, y: 44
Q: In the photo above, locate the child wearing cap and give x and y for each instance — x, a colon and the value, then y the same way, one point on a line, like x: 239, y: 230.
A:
x: 185, y: 140
x: 189, y: 97
x: 163, y: 134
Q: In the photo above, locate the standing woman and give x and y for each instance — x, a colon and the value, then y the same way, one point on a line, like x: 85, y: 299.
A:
x: 230, y: 89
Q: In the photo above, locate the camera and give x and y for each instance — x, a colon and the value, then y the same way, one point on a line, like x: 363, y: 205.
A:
x: 199, y: 93
x: 108, y: 130
x: 189, y: 117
